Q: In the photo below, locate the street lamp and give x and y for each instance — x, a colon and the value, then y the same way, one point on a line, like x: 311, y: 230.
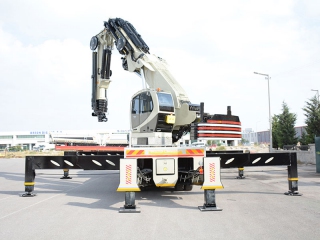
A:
x: 317, y: 93
x: 270, y: 120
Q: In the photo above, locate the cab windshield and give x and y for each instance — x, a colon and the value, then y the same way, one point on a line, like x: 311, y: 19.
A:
x: 165, y: 102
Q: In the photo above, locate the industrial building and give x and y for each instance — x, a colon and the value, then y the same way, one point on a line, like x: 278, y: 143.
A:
x: 29, y: 140
x: 25, y: 139
x: 264, y: 136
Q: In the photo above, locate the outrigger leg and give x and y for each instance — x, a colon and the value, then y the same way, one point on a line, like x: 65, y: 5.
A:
x: 128, y: 184
x: 30, y: 175
x: 240, y: 172
x: 66, y: 174
x: 211, y: 167
x: 293, y: 178
x: 209, y: 201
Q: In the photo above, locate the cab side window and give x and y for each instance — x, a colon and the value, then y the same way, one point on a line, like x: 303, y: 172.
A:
x: 146, y: 104
x: 135, y: 105
x: 142, y: 103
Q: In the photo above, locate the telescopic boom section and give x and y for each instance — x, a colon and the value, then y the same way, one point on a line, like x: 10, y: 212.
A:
x: 101, y: 45
x: 137, y: 59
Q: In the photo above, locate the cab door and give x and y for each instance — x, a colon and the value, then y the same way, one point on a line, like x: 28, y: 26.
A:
x: 141, y: 109
x: 146, y: 106
x: 135, y: 112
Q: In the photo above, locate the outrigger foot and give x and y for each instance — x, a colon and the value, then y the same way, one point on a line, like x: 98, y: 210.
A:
x: 209, y: 202
x: 125, y: 209
x: 66, y: 177
x: 290, y: 193
x: 209, y: 208
x: 66, y: 174
x: 129, y: 206
x: 28, y: 194
x: 240, y: 177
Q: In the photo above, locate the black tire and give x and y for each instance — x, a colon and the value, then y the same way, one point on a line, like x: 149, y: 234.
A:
x: 188, y: 187
x: 179, y: 187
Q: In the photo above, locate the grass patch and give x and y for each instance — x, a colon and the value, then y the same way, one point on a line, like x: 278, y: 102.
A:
x: 23, y: 154
x: 221, y: 148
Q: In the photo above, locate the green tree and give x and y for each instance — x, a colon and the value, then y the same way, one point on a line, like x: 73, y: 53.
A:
x: 244, y: 141
x: 275, y: 131
x: 304, y: 140
x: 312, y: 114
x: 15, y: 148
x: 286, y: 123
x: 211, y: 142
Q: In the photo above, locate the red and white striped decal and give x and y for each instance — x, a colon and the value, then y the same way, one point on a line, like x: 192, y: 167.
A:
x: 195, y: 151
x: 224, y: 122
x: 220, y: 129
x: 212, y: 172
x: 133, y: 153
x: 220, y: 135
x: 128, y: 174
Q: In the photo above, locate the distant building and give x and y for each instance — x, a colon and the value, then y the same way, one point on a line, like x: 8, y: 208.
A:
x: 26, y: 139
x: 29, y: 140
x: 249, y: 135
x: 300, y: 131
x: 264, y: 136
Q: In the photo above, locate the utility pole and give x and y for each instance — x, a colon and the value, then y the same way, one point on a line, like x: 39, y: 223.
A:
x: 270, y: 119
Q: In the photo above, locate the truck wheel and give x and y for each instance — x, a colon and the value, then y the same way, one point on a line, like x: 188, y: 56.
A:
x: 179, y: 187
x: 188, y: 187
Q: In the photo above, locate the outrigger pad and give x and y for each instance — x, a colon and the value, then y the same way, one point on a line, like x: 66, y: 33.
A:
x: 129, y: 210
x: 66, y: 177
x: 27, y: 194
x: 289, y: 193
x: 240, y: 177
x: 204, y: 209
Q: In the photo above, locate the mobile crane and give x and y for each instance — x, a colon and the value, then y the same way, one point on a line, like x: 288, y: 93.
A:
x: 160, y: 115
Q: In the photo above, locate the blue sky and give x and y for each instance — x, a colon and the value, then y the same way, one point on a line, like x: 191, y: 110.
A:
x: 213, y: 48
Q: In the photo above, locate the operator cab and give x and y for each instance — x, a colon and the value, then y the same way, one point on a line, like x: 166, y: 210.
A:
x: 152, y: 111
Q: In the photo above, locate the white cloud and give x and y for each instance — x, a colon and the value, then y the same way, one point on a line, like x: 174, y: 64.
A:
x: 213, y: 52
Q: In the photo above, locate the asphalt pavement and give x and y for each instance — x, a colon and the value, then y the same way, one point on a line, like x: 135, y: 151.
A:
x: 86, y: 207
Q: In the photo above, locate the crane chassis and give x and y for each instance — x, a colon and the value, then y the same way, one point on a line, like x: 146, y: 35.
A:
x: 175, y: 168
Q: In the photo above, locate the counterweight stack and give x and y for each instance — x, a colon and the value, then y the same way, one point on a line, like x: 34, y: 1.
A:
x: 217, y: 127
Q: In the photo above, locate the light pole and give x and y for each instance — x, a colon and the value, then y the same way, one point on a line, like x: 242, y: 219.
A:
x: 317, y: 93
x: 270, y: 120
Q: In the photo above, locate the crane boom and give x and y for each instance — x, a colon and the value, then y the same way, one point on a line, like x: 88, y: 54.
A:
x: 138, y: 59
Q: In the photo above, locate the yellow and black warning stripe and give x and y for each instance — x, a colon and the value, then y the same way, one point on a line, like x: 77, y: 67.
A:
x: 29, y: 183
x: 293, y: 179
